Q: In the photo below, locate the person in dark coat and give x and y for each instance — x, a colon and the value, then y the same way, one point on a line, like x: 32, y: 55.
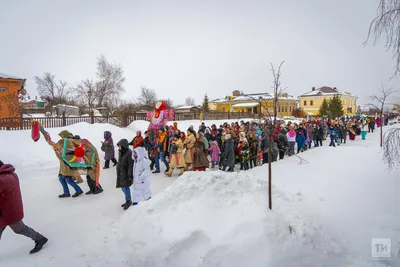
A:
x: 108, y: 148
x: 11, y: 207
x: 148, y: 146
x: 319, y: 135
x: 200, y: 160
x: 125, y: 171
x: 264, y: 149
x: 229, y: 154
x: 283, y: 144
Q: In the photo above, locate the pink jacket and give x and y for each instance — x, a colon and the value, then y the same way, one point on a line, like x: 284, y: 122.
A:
x: 215, y: 153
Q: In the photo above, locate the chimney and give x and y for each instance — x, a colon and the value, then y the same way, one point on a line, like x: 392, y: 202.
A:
x: 313, y: 88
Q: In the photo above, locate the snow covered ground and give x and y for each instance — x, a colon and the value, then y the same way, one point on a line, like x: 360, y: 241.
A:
x: 333, y: 205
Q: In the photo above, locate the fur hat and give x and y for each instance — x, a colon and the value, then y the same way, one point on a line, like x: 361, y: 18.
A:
x: 228, y: 136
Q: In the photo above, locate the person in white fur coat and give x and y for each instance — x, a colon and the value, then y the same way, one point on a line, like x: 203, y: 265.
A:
x: 141, y: 176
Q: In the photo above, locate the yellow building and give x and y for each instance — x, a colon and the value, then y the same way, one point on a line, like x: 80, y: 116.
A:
x: 254, y: 103
x: 311, y: 101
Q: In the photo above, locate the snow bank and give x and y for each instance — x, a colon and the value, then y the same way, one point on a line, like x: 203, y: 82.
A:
x: 222, y: 219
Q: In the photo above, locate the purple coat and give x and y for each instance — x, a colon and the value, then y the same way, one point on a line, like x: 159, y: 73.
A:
x: 108, y: 142
x: 214, y: 153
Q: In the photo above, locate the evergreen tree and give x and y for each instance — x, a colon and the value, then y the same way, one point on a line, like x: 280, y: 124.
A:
x: 336, y: 107
x: 324, y: 109
x: 206, y: 107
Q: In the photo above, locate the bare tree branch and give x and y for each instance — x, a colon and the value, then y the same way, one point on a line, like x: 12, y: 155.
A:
x: 386, y: 24
x: 148, y: 97
x: 110, y: 80
x: 391, y: 147
x: 189, y: 101
x: 381, y: 100
x: 87, y: 90
x: 52, y: 91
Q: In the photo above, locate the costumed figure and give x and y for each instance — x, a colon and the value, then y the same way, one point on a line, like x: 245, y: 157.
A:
x: 75, y: 154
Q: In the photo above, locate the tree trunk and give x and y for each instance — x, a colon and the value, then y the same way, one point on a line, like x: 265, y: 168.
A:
x: 269, y: 175
x: 381, y: 132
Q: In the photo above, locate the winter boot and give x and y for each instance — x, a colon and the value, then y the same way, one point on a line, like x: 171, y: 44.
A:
x: 89, y: 192
x: 123, y: 205
x: 231, y: 169
x: 39, y: 245
x: 127, y: 204
x: 77, y: 194
x: 64, y: 196
x: 134, y: 203
x: 169, y: 172
x: 181, y: 171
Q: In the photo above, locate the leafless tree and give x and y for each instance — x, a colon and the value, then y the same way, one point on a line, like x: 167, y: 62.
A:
x: 148, y: 97
x: 87, y: 90
x: 170, y: 103
x: 51, y: 90
x: 11, y: 103
x: 386, y: 25
x: 380, y: 102
x: 110, y: 80
x: 391, y: 147
x: 189, y: 101
x: 278, y: 92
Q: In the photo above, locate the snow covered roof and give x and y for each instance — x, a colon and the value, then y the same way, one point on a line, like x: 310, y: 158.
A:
x: 253, y: 97
x: 186, y: 107
x: 245, y: 105
x: 326, y: 91
x: 5, y: 76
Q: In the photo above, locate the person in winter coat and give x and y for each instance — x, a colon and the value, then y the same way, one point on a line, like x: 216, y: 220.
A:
x: 218, y: 137
x: 229, y: 154
x: 177, y: 160
x: 300, y: 139
x: 125, y: 171
x: 162, y: 149
x: 200, y: 160
x: 310, y: 134
x: 371, y: 125
x: 214, y: 150
x: 291, y: 137
x: 274, y: 151
x: 244, y: 154
x: 264, y: 149
x: 344, y: 131
x: 253, y: 149
x: 189, y: 145
x: 283, y: 144
x: 319, y: 135
x: 11, y: 207
x: 364, y: 131
x: 209, y: 136
x: 107, y: 147
x: 141, y: 176
x: 66, y: 175
x: 332, y: 134
x: 205, y: 141
x: 148, y: 146
x: 137, y: 140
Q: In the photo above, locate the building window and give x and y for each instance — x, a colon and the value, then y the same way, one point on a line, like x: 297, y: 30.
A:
x: 290, y: 108
x: 311, y: 102
x: 305, y: 102
x: 3, y: 89
x: 279, y: 108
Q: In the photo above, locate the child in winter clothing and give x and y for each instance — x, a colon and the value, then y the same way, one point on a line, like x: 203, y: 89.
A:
x: 141, y: 176
x: 125, y: 171
x: 108, y: 148
x: 214, y: 150
x: 332, y: 134
x: 364, y: 131
x: 244, y: 154
x: 291, y: 137
x: 300, y: 140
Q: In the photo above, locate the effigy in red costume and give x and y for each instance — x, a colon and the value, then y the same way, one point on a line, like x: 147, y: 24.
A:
x: 160, y: 117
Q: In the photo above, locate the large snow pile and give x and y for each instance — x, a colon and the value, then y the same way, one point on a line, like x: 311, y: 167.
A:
x: 222, y: 219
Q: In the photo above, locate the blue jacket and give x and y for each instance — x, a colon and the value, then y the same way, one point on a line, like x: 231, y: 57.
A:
x: 332, y: 132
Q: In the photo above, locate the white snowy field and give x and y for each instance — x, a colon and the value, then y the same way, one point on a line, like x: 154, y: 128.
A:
x: 335, y: 205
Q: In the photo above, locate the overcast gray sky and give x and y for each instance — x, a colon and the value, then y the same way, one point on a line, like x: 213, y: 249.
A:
x: 189, y: 48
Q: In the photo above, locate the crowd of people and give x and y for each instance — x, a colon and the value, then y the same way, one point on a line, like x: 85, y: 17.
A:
x: 246, y: 143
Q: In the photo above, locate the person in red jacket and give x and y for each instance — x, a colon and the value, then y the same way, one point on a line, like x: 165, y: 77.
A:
x: 11, y: 208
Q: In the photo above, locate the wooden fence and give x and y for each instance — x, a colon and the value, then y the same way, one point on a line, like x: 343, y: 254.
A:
x: 120, y: 121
